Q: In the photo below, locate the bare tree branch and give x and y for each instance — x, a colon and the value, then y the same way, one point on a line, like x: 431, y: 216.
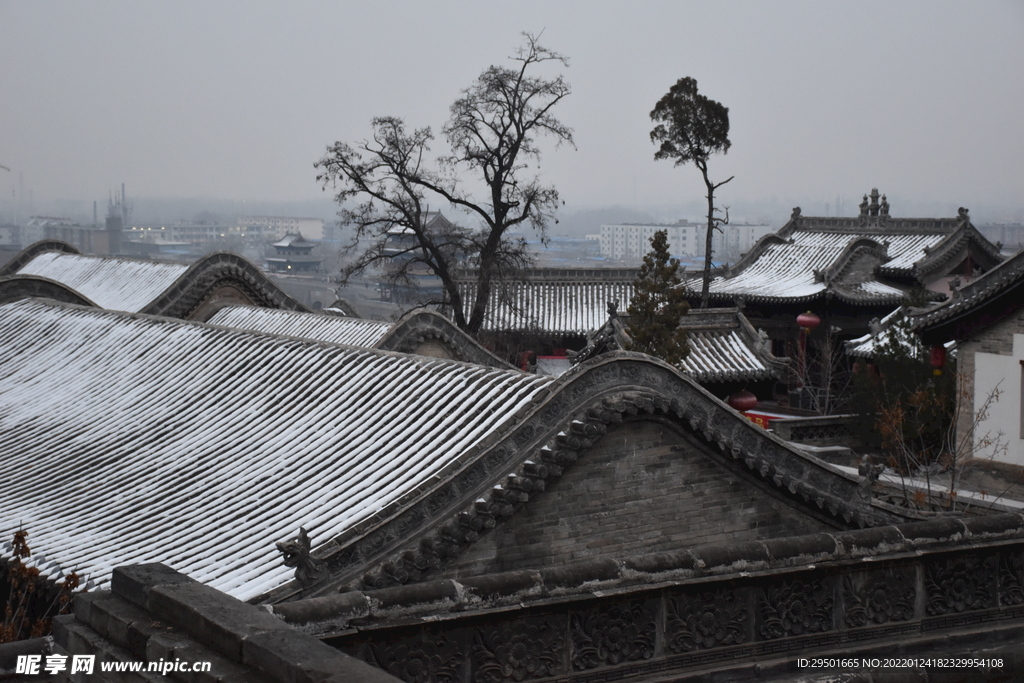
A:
x: 492, y: 134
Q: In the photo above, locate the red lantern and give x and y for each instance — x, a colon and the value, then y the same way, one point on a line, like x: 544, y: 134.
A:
x: 808, y: 321
x: 938, y: 358
x: 743, y: 400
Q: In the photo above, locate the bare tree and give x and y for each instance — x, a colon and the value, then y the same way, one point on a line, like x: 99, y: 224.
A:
x: 492, y: 134
x: 825, y: 376
x: 692, y: 127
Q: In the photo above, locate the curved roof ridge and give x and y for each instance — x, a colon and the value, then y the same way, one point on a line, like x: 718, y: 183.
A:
x: 193, y: 286
x: 496, y: 478
x: 423, y: 324
x: 15, y: 287
x: 965, y: 234
x: 985, y: 287
x: 33, y: 250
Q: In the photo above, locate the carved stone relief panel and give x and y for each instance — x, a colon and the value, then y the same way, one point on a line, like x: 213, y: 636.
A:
x: 613, y: 634
x: 880, y: 596
x: 1011, y: 579
x: 795, y: 607
x: 520, y: 650
x: 425, y: 657
x: 959, y: 584
x: 705, y: 620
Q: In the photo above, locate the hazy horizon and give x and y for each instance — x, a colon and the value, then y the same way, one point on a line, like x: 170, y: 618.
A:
x: 231, y: 102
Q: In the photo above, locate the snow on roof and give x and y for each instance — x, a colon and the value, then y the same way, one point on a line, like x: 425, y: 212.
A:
x: 787, y: 270
x: 293, y: 239
x: 111, y: 283
x: 555, y: 307
x: 717, y: 355
x: 131, y: 438
x: 328, y: 328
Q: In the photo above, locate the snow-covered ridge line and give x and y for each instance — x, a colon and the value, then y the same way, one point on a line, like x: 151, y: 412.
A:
x: 329, y: 328
x: 113, y: 283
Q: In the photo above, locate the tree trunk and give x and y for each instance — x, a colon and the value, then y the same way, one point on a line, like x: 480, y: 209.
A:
x: 705, y: 291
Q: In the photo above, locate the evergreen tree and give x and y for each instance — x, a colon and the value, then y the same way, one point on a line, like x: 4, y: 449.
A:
x: 658, y: 305
x: 691, y: 128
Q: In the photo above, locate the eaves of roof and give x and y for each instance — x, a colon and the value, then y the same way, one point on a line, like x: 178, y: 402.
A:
x: 1001, y: 282
x: 965, y: 240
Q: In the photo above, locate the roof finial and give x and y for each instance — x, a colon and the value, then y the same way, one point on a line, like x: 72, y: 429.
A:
x: 873, y: 209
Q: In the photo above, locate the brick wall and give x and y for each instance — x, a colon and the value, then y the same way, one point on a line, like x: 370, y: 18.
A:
x: 642, y: 488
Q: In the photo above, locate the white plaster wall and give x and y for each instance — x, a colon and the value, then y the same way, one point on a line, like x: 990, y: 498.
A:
x: 991, y: 371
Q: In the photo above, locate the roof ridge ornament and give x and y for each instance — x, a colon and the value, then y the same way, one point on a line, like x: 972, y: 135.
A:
x: 875, y: 212
x: 295, y: 552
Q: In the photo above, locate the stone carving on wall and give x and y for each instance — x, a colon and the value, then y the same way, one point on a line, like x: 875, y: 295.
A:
x: 612, y: 634
x: 518, y: 651
x: 793, y: 608
x: 296, y: 553
x: 959, y: 584
x: 708, y: 619
x: 879, y: 596
x: 1011, y: 579
x: 428, y: 659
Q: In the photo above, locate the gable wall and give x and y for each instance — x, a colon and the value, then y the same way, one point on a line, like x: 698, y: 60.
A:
x: 988, y: 361
x: 641, y: 488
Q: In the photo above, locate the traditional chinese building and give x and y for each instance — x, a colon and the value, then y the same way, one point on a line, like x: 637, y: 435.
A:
x: 459, y: 522
x: 293, y: 254
x: 849, y: 270
x: 986, y: 320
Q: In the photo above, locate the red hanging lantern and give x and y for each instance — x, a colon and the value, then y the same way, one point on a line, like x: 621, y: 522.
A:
x: 808, y: 321
x: 938, y: 358
x: 743, y: 400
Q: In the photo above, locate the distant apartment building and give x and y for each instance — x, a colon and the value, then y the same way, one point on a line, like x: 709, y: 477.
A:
x: 633, y: 240
x: 276, y: 227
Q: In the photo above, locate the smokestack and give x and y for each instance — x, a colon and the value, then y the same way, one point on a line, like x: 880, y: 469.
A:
x: 94, y: 221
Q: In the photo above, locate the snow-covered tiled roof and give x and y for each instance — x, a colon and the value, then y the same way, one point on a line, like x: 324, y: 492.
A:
x: 329, y: 328
x: 131, y: 438
x: 724, y: 346
x: 563, y: 307
x: 112, y: 283
x: 722, y: 355
x: 790, y: 269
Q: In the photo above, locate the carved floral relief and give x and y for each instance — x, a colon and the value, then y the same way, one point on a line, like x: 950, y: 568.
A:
x: 424, y: 659
x: 709, y: 619
x: 1011, y: 579
x: 880, y: 596
x: 793, y: 608
x: 612, y: 635
x: 959, y: 584
x: 519, y: 651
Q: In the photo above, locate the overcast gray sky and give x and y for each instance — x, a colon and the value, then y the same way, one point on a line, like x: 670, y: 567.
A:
x: 236, y: 100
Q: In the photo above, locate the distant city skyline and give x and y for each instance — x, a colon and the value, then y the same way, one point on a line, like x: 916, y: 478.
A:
x: 232, y: 103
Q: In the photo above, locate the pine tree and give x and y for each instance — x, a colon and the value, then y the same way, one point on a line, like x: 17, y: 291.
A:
x: 658, y: 305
